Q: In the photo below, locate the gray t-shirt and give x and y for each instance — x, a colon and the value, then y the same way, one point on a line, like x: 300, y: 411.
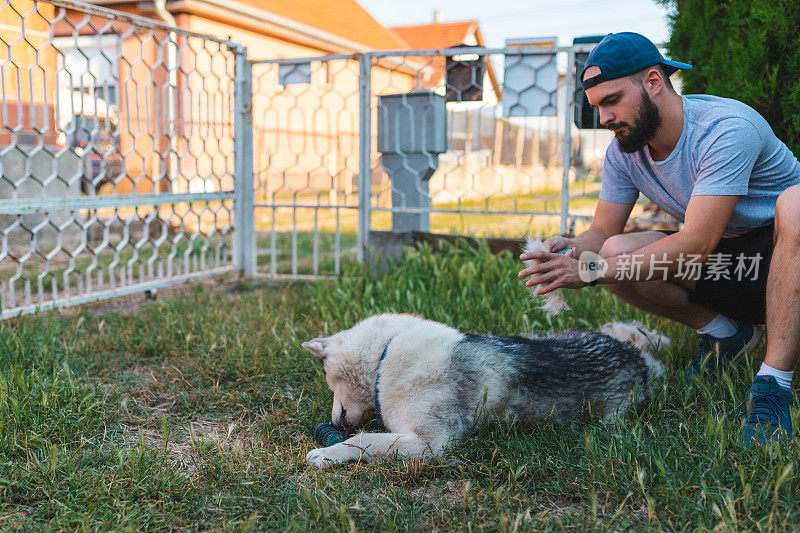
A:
x: 725, y: 148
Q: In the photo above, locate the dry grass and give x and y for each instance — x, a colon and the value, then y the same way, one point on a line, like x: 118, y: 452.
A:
x: 194, y: 413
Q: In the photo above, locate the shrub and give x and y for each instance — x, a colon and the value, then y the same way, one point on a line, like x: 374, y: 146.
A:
x: 743, y: 49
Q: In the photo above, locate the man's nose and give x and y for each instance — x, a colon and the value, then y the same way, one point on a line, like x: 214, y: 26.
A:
x: 606, y: 117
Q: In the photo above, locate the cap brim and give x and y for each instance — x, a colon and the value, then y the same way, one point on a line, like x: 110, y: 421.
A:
x: 672, y: 66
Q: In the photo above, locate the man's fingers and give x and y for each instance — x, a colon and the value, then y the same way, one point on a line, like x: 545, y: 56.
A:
x: 538, y: 268
x: 547, y: 288
x: 524, y: 273
x: 544, y: 278
x: 541, y: 256
x: 554, y: 242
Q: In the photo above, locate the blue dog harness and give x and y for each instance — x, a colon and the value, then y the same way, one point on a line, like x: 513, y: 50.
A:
x: 378, y: 417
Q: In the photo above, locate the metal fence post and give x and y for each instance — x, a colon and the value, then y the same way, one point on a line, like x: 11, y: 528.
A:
x: 244, y: 214
x: 569, y: 87
x: 364, y: 151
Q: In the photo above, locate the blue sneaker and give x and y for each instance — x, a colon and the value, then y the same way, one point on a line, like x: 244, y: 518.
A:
x: 715, y: 355
x: 766, y: 412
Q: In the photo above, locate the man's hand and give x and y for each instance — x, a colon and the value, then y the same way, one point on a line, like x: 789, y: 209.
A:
x: 557, y: 243
x: 554, y: 271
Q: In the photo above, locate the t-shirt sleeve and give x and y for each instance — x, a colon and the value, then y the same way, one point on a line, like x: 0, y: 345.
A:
x: 616, y: 185
x: 726, y: 159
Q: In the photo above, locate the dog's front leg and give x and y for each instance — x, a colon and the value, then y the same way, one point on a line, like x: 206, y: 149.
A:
x: 370, y: 446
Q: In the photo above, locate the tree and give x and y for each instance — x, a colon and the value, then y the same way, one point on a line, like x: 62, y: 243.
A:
x: 743, y: 49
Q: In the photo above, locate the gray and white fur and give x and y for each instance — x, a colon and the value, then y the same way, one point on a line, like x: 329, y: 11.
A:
x: 553, y: 302
x: 437, y: 382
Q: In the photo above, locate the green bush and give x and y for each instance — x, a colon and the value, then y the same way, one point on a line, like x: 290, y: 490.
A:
x: 743, y: 49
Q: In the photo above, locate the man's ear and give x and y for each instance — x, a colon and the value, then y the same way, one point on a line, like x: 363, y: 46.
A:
x: 653, y: 80
x: 316, y: 346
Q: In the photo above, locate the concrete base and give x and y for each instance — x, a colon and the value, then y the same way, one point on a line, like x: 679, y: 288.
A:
x: 409, y: 175
x: 386, y: 248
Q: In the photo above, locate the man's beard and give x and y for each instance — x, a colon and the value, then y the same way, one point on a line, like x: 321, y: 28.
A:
x: 644, y: 128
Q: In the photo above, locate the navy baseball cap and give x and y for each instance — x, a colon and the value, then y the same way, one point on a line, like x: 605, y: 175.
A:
x: 622, y: 54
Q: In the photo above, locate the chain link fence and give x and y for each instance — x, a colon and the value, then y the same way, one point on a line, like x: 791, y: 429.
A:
x: 119, y: 154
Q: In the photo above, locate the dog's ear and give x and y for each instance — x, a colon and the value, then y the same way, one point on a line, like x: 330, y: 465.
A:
x: 316, y: 346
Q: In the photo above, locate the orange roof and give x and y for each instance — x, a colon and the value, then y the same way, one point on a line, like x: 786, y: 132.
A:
x: 436, y: 35
x: 345, y: 18
x: 445, y: 35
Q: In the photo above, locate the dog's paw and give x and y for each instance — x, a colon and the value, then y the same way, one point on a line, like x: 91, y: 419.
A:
x: 318, y: 458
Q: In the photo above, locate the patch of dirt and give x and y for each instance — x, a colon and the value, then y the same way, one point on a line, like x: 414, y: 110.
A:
x: 182, y: 438
x: 147, y: 408
x: 448, y: 492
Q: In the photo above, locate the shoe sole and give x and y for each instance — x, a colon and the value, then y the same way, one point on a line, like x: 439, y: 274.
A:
x: 749, y: 346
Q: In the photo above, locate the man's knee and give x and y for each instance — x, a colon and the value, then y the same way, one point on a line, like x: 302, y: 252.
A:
x: 622, y: 289
x: 614, y: 245
x: 787, y: 214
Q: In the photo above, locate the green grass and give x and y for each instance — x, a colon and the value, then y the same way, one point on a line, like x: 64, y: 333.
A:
x: 304, y: 221
x: 124, y: 265
x: 194, y: 412
x: 480, y: 225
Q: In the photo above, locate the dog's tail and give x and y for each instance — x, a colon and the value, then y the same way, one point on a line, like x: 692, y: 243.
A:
x: 648, y: 341
x: 553, y: 302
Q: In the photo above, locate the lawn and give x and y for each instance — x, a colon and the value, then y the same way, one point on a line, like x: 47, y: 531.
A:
x: 194, y: 412
x: 582, y: 202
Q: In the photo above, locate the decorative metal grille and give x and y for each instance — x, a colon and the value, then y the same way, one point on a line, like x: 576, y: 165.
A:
x: 323, y: 182
x: 306, y: 139
x: 127, y: 156
x: 118, y: 154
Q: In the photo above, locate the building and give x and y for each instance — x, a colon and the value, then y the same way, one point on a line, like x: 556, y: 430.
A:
x: 176, y: 93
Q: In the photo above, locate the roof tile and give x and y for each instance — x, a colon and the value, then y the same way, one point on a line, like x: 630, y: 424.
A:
x: 438, y: 35
x: 345, y: 18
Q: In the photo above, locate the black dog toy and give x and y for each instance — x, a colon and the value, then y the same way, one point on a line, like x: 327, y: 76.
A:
x: 327, y: 435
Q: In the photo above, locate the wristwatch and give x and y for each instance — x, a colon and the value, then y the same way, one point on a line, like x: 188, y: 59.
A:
x: 592, y: 267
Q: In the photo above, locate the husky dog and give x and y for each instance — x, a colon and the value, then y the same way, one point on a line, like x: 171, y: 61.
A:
x: 429, y: 383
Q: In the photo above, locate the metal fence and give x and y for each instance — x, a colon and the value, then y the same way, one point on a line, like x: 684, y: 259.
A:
x: 134, y: 154
x: 335, y: 161
x: 306, y: 127
x: 123, y: 155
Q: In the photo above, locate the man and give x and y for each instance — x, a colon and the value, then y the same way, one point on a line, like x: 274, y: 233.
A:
x: 714, y: 164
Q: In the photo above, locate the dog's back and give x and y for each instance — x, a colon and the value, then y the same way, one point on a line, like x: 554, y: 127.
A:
x: 557, y: 375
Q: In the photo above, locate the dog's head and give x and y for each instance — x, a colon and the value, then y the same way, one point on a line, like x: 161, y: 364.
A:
x: 347, y: 374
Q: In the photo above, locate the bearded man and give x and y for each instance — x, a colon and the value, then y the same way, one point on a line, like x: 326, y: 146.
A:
x: 715, y: 165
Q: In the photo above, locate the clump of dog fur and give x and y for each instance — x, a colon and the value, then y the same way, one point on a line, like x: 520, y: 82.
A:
x: 437, y: 382
x: 553, y: 301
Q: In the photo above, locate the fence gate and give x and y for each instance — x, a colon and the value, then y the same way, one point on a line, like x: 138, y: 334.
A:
x: 118, y: 155
x: 306, y: 127
x: 470, y: 141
